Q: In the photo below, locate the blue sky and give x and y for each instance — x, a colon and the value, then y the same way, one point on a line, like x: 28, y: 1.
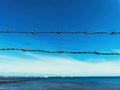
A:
x: 59, y: 15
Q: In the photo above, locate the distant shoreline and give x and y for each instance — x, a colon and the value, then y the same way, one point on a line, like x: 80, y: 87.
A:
x: 11, y: 81
x: 59, y: 76
x: 17, y: 79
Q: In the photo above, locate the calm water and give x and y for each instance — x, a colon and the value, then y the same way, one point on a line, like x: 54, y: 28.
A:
x: 63, y: 84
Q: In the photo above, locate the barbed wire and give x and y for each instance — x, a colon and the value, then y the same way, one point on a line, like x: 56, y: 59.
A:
x: 57, y: 52
x: 58, y: 32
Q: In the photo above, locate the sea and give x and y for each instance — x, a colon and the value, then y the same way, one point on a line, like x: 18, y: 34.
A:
x: 60, y: 83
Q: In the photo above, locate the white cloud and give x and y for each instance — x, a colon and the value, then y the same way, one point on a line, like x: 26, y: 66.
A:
x: 56, y: 66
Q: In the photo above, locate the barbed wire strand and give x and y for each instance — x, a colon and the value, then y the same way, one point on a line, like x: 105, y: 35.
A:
x: 58, y: 32
x: 57, y: 52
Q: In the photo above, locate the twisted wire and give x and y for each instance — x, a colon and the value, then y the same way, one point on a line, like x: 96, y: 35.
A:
x: 58, y: 51
x: 58, y: 32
